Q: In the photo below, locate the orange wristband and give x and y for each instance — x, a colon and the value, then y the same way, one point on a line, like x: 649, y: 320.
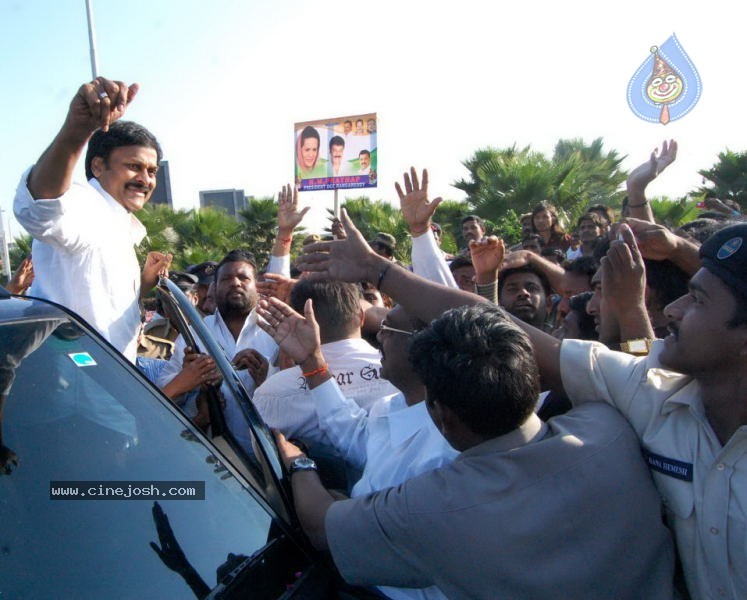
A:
x: 318, y: 371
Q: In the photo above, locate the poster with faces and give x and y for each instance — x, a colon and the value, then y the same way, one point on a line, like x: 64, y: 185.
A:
x: 337, y: 153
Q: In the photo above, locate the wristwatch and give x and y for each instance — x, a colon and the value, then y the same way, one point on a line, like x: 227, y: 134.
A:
x: 302, y: 463
x: 637, y: 347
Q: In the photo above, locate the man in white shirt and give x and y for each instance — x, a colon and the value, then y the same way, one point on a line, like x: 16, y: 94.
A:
x: 284, y: 400
x: 234, y: 326
x: 394, y: 442
x: 85, y: 233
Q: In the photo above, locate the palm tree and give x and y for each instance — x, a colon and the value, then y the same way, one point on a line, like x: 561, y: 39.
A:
x: 504, y: 183
x: 727, y: 178
x: 372, y: 217
x: 674, y: 213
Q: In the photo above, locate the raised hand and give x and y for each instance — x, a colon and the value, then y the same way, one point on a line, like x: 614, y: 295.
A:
x: 289, y: 216
x: 623, y: 272
x: 487, y: 258
x: 349, y: 260
x: 156, y: 265
x: 337, y: 229
x: 655, y: 242
x: 276, y: 285
x: 22, y: 278
x: 297, y: 336
x: 645, y: 173
x: 519, y: 258
x: 99, y: 103
x: 417, y: 210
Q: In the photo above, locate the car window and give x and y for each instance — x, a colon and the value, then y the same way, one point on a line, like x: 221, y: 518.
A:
x: 253, y: 444
x: 74, y: 412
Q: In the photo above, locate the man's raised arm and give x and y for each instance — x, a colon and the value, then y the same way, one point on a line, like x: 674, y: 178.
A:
x: 352, y: 260
x: 96, y: 105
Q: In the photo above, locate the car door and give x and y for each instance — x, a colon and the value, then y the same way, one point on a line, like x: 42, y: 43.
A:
x: 108, y: 491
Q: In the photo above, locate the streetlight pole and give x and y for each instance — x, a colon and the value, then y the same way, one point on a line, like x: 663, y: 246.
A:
x: 92, y: 41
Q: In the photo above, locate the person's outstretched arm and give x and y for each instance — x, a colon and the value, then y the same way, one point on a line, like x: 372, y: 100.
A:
x: 353, y: 260
x: 417, y: 211
x: 289, y: 217
x: 645, y: 173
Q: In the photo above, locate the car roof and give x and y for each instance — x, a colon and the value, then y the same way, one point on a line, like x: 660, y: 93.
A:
x: 22, y: 308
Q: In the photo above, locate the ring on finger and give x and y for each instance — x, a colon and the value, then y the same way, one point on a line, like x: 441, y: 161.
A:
x: 103, y: 95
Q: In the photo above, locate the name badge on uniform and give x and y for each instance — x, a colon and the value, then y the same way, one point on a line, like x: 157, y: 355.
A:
x: 669, y: 466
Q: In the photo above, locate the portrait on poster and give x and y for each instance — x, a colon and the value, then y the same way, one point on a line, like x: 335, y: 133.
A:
x: 338, y: 153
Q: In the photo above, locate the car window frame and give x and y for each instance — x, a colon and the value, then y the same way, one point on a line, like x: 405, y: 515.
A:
x: 190, y: 325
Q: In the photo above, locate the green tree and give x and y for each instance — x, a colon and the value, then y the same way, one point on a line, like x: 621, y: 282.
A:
x: 504, y: 183
x: 192, y: 236
x: 727, y: 178
x: 371, y: 217
x: 449, y: 216
x: 259, y: 227
x: 674, y: 213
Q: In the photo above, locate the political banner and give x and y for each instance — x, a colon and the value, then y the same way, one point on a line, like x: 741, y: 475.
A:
x: 337, y: 153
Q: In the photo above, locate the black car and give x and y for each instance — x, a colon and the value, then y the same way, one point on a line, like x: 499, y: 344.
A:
x: 78, y: 422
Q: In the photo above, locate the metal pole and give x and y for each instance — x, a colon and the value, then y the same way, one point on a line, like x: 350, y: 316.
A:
x: 6, y: 254
x: 337, y: 205
x: 92, y: 41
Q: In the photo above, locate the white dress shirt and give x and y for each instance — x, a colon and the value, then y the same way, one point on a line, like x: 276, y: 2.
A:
x: 84, y: 257
x: 286, y: 404
x: 393, y: 443
x: 428, y: 260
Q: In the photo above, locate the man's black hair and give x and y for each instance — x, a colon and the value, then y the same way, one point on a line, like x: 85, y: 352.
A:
x: 666, y: 281
x: 700, y: 229
x: 474, y: 218
x: 583, y: 265
x: 599, y: 209
x: 236, y: 256
x: 586, y: 326
x: 336, y: 141
x: 534, y: 237
x: 459, y: 262
x: 121, y: 133
x: 555, y: 255
x: 476, y: 362
x: 593, y: 217
x: 505, y: 274
x: 366, y: 152
x: 336, y: 306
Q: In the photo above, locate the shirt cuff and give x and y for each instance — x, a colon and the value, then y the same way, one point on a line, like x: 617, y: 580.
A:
x: 280, y: 265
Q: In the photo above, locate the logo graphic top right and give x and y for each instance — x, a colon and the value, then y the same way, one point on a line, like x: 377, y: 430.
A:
x: 666, y: 86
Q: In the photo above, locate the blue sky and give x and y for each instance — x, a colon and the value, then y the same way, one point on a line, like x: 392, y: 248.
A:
x: 222, y: 82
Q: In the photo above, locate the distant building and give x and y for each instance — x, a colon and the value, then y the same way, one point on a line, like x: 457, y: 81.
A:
x: 162, y: 193
x: 231, y: 201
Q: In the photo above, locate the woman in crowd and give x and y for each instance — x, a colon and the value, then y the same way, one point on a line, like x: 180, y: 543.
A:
x: 545, y: 223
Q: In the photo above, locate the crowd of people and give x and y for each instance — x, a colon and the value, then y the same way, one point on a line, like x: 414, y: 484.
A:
x: 561, y: 418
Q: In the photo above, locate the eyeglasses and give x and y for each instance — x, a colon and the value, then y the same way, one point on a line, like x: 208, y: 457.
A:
x: 384, y: 327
